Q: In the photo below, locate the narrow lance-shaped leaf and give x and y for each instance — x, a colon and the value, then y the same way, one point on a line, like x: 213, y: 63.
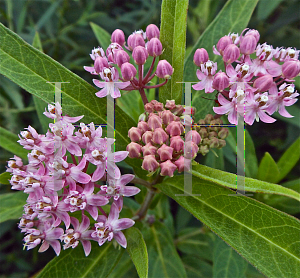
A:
x: 250, y: 227
x: 173, y: 37
x: 31, y: 70
x: 73, y: 263
x: 268, y: 169
x: 103, y: 37
x: 137, y: 251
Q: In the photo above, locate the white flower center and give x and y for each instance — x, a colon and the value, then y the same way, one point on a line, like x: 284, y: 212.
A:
x: 239, y: 93
x: 95, y: 153
x: 290, y: 89
x: 264, y: 98
x: 107, y: 71
x: 110, y: 190
x: 291, y: 51
x: 208, y: 64
x: 267, y: 48
x: 245, y: 67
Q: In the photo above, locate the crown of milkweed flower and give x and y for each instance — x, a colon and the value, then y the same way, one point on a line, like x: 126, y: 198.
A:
x: 143, y: 45
x: 249, y: 86
x: 57, y: 187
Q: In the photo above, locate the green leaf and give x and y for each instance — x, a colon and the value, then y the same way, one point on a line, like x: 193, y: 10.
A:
x: 12, y: 205
x: 102, y: 35
x: 4, y: 177
x: 227, y: 263
x: 234, y: 17
x: 37, y: 42
x: 124, y: 268
x: 268, y: 169
x: 214, y: 161
x: 267, y: 238
x: 164, y: 260
x: 289, y: 159
x: 229, y: 180
x: 265, y: 8
x: 195, y: 268
x: 73, y: 263
x: 9, y: 142
x: 173, y: 37
x: 137, y: 251
x: 31, y: 69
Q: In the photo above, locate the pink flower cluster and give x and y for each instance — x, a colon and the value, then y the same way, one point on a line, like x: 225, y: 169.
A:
x: 105, y: 63
x: 254, y: 88
x: 57, y: 187
x: 160, y: 141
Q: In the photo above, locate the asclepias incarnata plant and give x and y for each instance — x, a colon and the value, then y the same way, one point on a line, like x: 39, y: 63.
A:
x: 77, y: 193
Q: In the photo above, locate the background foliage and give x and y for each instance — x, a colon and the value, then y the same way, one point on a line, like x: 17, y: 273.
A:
x: 65, y: 32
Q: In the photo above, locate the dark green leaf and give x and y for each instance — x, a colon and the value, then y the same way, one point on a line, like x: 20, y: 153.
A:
x: 11, y: 205
x: 173, y: 37
x: 268, y: 169
x: 73, y: 263
x: 250, y: 227
x: 266, y: 7
x: 102, y: 35
x: 124, y: 268
x: 137, y: 251
x: 195, y: 268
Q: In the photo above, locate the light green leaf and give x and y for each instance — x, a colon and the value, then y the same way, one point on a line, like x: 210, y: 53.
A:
x: 73, y: 263
x: 9, y: 142
x: 234, y: 17
x: 268, y: 169
x: 265, y: 8
x: 37, y: 42
x: 173, y: 37
x: 31, y: 69
x: 103, y: 37
x: 164, y: 260
x: 267, y: 238
x: 195, y: 268
x: 227, y: 263
x: 11, y: 205
x: 229, y: 180
x: 289, y: 159
x: 4, y: 177
x: 137, y: 251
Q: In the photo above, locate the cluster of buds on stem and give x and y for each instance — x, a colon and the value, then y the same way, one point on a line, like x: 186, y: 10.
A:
x: 252, y: 87
x: 141, y: 46
x: 57, y: 187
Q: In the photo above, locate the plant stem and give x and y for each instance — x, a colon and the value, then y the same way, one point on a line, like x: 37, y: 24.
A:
x: 143, y: 209
x: 156, y: 86
x: 143, y: 95
x: 150, y: 70
x: 73, y: 159
x: 142, y: 182
x: 102, y: 211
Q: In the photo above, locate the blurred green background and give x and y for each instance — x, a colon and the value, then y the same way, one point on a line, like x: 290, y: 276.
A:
x: 66, y: 36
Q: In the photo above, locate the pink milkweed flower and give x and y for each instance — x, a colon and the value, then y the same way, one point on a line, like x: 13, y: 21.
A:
x: 84, y: 199
x: 278, y: 100
x: 228, y: 107
x: 80, y: 232
x: 255, y: 108
x: 109, y: 228
x: 205, y: 76
x: 111, y: 85
x: 88, y: 137
x: 44, y: 233
x: 97, y: 52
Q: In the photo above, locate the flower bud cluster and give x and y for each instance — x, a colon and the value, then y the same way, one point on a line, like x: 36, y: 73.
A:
x: 160, y: 140
x: 253, y: 88
x: 142, y: 45
x: 212, y: 133
x: 57, y: 187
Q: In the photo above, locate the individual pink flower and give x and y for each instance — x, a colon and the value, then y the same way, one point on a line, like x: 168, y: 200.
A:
x: 110, y: 227
x: 80, y: 232
x: 227, y: 107
x: 205, y: 76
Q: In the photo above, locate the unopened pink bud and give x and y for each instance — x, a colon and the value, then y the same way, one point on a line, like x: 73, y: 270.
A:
x: 140, y: 55
x: 231, y: 53
x: 135, y: 40
x: 135, y: 134
x: 143, y: 126
x: 183, y: 164
x: 200, y: 56
x: 190, y: 150
x: 154, y: 47
x: 159, y: 136
x: 178, y: 110
x: 223, y: 43
x: 128, y: 71
x: 248, y: 45
x: 158, y: 107
x: 175, y: 128
x: 100, y: 64
x: 149, y: 163
x: 154, y: 122
x: 147, y: 137
x: 164, y: 69
x: 134, y: 150
x: 170, y: 104
x: 149, y: 149
x: 193, y: 136
x: 165, y: 152
x: 177, y: 143
x: 121, y: 57
x: 290, y: 69
x: 152, y: 31
x: 118, y: 37
x: 263, y: 83
x: 254, y: 33
x: 167, y: 117
x: 221, y: 81
x: 149, y: 107
x: 167, y: 168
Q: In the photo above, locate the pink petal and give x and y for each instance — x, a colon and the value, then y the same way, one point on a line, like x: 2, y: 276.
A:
x: 56, y: 246
x: 80, y: 176
x: 114, y: 213
x: 72, y: 119
x: 250, y: 117
x: 122, y: 85
x: 86, y: 247
x: 130, y: 191
x: 93, y: 211
x: 81, y: 165
x: 72, y: 147
x: 97, y: 200
x: 44, y: 247
x: 123, y: 223
x: 282, y: 111
x: 208, y: 85
x: 75, y: 223
x: 199, y: 86
x: 264, y: 117
x: 230, y: 71
x: 125, y: 179
x: 119, y: 156
x: 121, y: 239
x: 232, y: 117
x: 115, y: 93
x: 102, y: 93
x: 99, y: 84
x: 222, y: 109
x: 85, y: 223
x: 90, y: 70
x: 119, y: 203
x: 99, y: 173
x: 200, y: 74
